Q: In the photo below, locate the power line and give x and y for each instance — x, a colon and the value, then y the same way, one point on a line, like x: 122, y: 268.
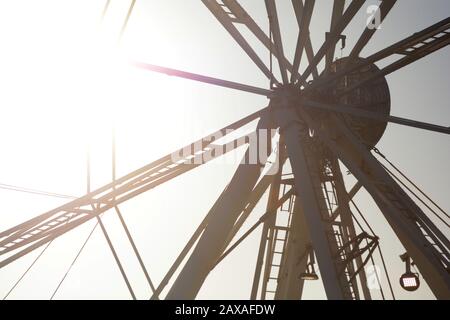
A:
x: 35, y: 191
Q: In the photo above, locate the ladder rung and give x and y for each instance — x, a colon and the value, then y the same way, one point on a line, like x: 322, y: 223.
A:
x: 275, y: 265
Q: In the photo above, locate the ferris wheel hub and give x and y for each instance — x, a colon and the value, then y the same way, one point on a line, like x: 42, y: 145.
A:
x: 373, y: 97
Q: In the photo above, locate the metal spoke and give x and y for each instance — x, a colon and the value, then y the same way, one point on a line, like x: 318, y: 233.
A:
x: 204, y: 79
x: 407, y: 60
x: 385, y: 7
x: 275, y: 29
x: 243, y: 18
x: 413, y: 48
x: 304, y: 14
x: 338, y: 10
x: 332, y: 38
x: 42, y: 229
x: 375, y: 116
x: 224, y: 18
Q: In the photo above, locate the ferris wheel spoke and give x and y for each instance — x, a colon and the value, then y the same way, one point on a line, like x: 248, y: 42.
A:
x: 40, y: 230
x: 333, y: 37
x: 226, y: 20
x: 416, y: 55
x: 420, y: 125
x: 358, y: 112
x: 202, y: 78
x: 275, y: 29
x: 237, y: 15
x: 223, y: 216
x: 385, y: 8
x: 412, y: 48
x: 303, y: 14
x: 338, y: 11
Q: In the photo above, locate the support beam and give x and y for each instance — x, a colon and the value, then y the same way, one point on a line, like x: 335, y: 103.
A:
x: 304, y: 14
x: 338, y: 10
x: 38, y: 231
x: 135, y: 249
x: 275, y: 28
x: 353, y: 191
x: 204, y: 79
x: 242, y: 17
x: 385, y: 8
x: 358, y: 112
x: 263, y: 218
x: 253, y: 200
x: 180, y: 258
x: 412, y: 47
x: 422, y: 240
x: 224, y: 214
x: 227, y: 22
x: 305, y: 186
x: 418, y: 54
x: 116, y: 258
x: 333, y: 37
x: 349, y: 229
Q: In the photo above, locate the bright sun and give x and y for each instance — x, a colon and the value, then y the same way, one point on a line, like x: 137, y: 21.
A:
x: 66, y: 83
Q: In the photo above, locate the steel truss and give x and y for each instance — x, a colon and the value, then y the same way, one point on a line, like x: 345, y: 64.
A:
x: 308, y: 213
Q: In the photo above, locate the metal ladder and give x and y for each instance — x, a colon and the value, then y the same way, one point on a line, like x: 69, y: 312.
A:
x: 277, y: 240
x: 426, y: 42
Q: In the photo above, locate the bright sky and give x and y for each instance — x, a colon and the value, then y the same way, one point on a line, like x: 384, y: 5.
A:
x: 65, y: 85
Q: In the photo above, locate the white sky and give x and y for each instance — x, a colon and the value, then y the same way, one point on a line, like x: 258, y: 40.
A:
x: 64, y: 84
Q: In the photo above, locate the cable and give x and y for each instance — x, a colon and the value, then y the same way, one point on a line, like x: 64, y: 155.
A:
x: 416, y: 196
x: 377, y: 151
x: 35, y: 191
x: 74, y: 260
x: 364, y: 219
x: 386, y: 272
x: 26, y: 271
x: 32, y: 264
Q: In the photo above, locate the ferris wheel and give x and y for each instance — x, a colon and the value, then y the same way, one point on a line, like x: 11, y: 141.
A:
x: 322, y: 122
